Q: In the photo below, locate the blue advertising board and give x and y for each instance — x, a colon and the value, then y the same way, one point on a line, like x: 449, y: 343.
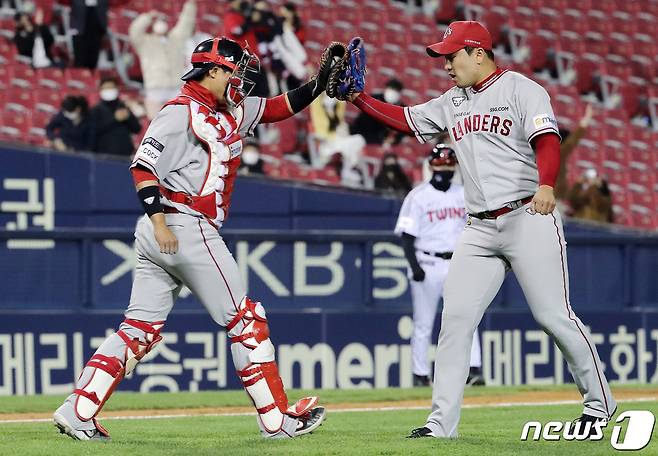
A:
x: 45, y: 353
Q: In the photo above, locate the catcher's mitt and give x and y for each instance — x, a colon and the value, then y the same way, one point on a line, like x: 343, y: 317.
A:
x: 332, y: 57
x: 349, y: 75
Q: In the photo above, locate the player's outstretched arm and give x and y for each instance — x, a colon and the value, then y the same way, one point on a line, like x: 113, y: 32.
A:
x: 389, y: 114
x: 148, y: 191
x: 290, y: 103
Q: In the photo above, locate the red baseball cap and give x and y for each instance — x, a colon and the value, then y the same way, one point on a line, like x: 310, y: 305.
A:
x: 460, y: 34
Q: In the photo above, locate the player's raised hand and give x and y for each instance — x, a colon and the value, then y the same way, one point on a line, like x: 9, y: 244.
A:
x: 163, y: 236
x: 544, y: 200
x: 418, y: 275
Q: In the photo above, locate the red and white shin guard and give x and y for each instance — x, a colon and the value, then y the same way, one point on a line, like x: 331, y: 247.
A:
x: 107, y: 371
x: 261, y: 378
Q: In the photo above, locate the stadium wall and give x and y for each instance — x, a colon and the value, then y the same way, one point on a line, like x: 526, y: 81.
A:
x: 336, y: 294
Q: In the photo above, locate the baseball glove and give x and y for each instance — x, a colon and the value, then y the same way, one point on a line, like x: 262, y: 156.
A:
x: 332, y: 57
x: 349, y: 75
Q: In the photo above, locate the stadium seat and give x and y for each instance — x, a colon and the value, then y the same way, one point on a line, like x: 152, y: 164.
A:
x: 80, y: 78
x: 15, y: 124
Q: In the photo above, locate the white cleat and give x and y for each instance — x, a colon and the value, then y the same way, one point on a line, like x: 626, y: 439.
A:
x: 311, y: 421
x: 99, y: 433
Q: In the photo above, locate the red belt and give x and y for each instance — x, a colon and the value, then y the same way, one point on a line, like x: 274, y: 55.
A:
x: 509, y: 207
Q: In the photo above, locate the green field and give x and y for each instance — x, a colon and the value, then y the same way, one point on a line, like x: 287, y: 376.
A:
x: 485, y: 430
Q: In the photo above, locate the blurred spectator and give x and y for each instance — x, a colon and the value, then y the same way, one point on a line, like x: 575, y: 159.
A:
x: 251, y: 161
x: 89, y: 27
x: 292, y: 21
x: 72, y: 129
x: 114, y: 122
x: 236, y: 26
x: 569, y: 142
x: 373, y: 131
x: 590, y: 198
x: 288, y: 55
x: 332, y: 133
x: 161, y: 53
x: 240, y: 24
x: 391, y: 178
x: 33, y: 39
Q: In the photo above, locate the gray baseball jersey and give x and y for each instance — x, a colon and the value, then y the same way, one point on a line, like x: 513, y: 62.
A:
x: 173, y: 150
x: 491, y: 127
x: 194, y: 152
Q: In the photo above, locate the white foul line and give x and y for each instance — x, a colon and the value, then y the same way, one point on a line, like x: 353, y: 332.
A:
x: 343, y: 410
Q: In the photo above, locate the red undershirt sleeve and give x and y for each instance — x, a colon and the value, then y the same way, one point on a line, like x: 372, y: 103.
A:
x: 141, y: 174
x: 390, y: 115
x: 547, y: 150
x: 276, y: 109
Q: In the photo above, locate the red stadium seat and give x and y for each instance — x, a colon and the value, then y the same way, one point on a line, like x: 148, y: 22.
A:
x: 81, y: 79
x: 15, y: 124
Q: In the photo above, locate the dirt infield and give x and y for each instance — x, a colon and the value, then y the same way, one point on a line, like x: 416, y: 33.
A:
x: 502, y: 399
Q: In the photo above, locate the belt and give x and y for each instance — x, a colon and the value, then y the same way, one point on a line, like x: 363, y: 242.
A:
x: 509, y: 207
x: 444, y: 255
x: 173, y: 210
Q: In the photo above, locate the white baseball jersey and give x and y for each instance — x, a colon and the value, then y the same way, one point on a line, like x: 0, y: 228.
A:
x: 491, y: 129
x: 434, y: 218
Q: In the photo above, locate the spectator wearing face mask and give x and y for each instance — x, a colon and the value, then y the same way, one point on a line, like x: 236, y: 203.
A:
x: 590, y: 198
x: 373, y: 131
x: 115, y: 123
x: 161, y: 53
x: 71, y: 129
x: 33, y: 39
x: 251, y: 161
x: 391, y: 178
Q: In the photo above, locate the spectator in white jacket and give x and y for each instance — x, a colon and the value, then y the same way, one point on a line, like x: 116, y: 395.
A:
x: 162, y: 53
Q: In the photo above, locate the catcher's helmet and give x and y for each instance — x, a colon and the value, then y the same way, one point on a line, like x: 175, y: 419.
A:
x: 229, y: 54
x: 442, y: 155
x: 213, y: 52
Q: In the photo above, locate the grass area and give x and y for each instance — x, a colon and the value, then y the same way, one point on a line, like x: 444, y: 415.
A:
x: 484, y: 431
x: 136, y: 401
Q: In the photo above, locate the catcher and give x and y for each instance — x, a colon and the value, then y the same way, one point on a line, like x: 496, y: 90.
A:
x: 184, y: 171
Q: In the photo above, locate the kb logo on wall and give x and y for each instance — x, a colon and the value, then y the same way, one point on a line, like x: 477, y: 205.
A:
x: 634, y: 435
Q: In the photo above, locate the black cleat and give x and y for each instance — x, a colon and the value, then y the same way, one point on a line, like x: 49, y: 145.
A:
x: 475, y: 377
x: 420, y: 432
x: 421, y: 380
x: 585, y: 423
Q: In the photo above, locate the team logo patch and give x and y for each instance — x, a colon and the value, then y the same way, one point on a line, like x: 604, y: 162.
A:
x: 544, y: 121
x: 154, y: 142
x: 458, y: 100
x: 447, y: 33
x: 150, y: 150
x: 228, y: 58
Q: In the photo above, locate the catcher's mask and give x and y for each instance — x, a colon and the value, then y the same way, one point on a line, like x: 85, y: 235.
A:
x: 442, y: 155
x: 226, y: 53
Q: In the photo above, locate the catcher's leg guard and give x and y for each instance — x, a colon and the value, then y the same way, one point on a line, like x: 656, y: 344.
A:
x: 260, y: 376
x: 115, y: 358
